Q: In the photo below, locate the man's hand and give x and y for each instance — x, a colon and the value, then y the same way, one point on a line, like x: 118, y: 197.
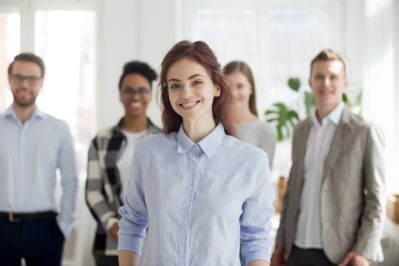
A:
x: 278, y: 258
x: 113, y: 230
x: 353, y: 259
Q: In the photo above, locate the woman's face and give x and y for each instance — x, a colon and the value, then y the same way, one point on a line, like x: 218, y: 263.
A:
x: 135, y: 95
x: 191, y: 91
x: 240, y: 89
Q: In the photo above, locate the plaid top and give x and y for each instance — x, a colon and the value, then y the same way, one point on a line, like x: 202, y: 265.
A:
x: 103, y: 184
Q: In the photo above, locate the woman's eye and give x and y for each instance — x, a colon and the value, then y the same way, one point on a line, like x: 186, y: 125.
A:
x: 175, y: 86
x: 197, y: 82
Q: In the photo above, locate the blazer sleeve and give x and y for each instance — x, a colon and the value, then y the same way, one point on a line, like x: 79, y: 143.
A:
x: 280, y: 239
x: 371, y: 223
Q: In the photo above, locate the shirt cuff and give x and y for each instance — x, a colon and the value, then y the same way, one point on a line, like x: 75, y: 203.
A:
x: 126, y: 242
x: 256, y: 255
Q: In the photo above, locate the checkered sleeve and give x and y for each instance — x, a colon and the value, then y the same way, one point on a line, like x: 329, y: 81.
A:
x: 95, y: 186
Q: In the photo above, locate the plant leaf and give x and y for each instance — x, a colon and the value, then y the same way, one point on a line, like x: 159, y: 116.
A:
x: 294, y: 84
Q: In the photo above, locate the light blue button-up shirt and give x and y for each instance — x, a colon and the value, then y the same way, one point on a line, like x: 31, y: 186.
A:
x: 30, y: 154
x: 199, y: 201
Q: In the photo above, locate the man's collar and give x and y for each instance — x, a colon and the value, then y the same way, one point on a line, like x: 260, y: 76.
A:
x: 10, y: 112
x: 334, y: 116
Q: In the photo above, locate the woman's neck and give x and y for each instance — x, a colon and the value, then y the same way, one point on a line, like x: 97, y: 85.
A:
x: 198, y: 131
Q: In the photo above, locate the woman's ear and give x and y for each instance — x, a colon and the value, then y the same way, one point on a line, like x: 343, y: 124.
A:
x: 218, y: 91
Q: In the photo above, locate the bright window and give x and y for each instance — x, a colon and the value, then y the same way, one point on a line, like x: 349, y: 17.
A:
x: 9, y: 47
x: 68, y: 50
x: 231, y: 34
x: 277, y: 42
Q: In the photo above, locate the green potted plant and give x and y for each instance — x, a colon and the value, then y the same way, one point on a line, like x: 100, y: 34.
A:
x: 282, y: 116
x: 285, y: 118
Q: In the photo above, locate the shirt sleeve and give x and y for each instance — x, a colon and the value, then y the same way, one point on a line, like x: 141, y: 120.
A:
x: 256, y: 220
x: 134, y: 213
x: 69, y: 181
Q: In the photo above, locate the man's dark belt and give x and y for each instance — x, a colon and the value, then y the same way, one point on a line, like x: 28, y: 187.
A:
x: 31, y: 216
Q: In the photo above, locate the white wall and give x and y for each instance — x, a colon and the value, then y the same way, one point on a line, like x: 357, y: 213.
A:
x: 118, y: 29
x: 396, y: 78
x: 354, y: 39
x: 131, y: 30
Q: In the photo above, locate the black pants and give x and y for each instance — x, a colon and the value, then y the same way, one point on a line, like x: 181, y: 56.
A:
x: 308, y: 257
x: 102, y: 260
x: 39, y: 242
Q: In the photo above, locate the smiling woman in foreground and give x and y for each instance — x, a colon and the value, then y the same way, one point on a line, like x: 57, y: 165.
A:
x: 196, y: 192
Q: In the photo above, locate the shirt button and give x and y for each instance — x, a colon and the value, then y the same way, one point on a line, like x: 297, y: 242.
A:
x: 191, y: 188
x: 187, y: 209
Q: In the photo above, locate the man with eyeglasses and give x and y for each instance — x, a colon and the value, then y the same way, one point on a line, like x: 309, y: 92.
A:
x: 33, y: 146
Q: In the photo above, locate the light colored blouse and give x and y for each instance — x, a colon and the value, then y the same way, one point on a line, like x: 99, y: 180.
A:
x: 125, y: 161
x: 260, y: 134
x: 198, y: 200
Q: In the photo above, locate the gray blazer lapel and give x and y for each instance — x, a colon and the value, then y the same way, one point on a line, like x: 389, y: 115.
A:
x: 301, y: 144
x: 337, y: 142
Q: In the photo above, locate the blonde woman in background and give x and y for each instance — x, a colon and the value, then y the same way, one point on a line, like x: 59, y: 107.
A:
x: 250, y: 128
x: 244, y: 113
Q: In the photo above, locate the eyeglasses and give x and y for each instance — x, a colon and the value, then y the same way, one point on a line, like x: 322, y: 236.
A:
x: 19, y: 79
x: 131, y: 91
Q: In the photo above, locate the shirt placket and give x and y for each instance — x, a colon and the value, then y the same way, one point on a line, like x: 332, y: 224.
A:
x: 188, y: 204
x: 23, y: 153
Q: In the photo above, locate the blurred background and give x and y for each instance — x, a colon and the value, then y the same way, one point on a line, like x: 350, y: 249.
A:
x: 85, y: 43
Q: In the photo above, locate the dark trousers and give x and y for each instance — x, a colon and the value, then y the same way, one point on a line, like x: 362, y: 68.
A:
x: 308, y: 257
x: 39, y: 242
x: 102, y: 260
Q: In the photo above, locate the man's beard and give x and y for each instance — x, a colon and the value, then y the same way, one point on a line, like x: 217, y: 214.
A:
x: 24, y: 102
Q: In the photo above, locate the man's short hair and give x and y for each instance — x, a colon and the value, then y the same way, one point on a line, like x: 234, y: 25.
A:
x: 28, y: 57
x: 327, y: 55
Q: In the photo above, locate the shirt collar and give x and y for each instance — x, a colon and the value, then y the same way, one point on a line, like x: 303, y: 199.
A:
x: 209, y: 144
x: 334, y: 116
x: 10, y: 113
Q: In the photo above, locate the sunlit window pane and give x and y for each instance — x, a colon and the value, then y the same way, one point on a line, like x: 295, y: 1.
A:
x: 66, y: 41
x: 294, y: 37
x: 231, y: 34
x: 9, y: 47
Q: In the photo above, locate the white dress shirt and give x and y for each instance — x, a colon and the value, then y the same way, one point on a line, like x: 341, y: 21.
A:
x: 308, y: 233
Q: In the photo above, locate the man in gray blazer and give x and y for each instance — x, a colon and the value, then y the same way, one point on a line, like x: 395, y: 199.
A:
x: 333, y: 208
